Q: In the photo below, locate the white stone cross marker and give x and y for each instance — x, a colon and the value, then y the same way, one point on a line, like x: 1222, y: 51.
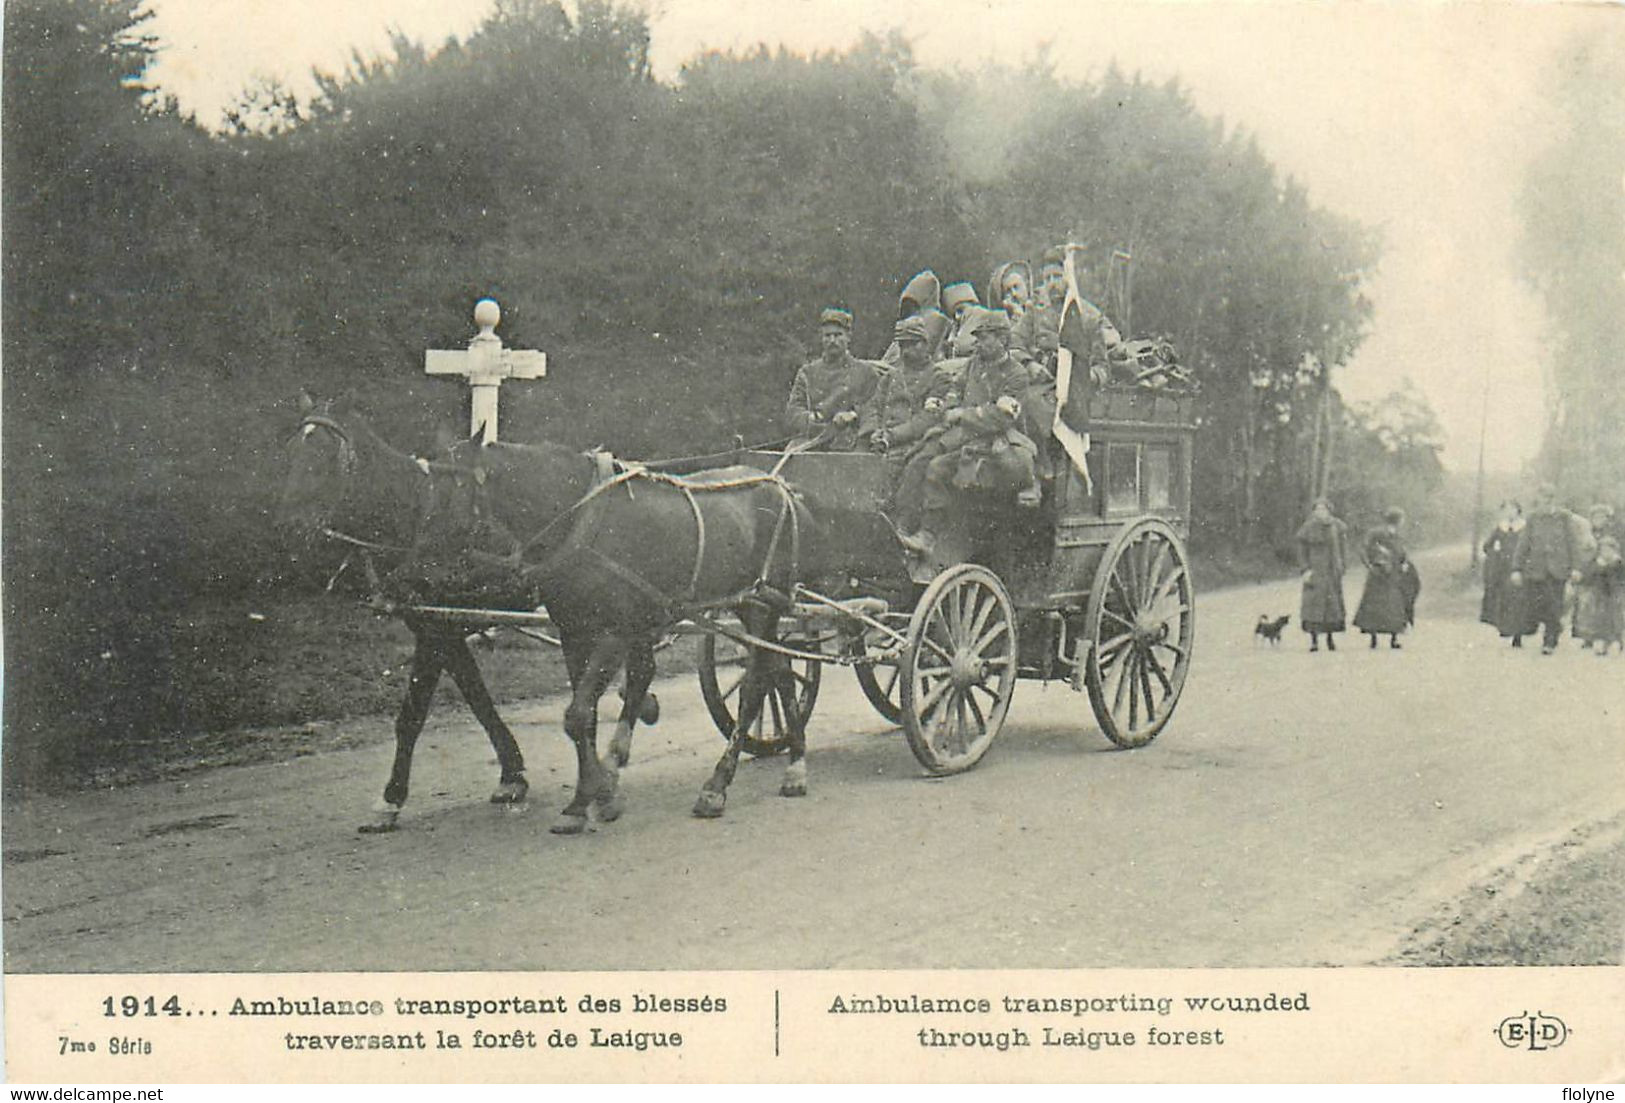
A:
x: 485, y: 365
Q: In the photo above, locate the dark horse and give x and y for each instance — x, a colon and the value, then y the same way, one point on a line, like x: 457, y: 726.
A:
x: 619, y: 556
x: 345, y: 484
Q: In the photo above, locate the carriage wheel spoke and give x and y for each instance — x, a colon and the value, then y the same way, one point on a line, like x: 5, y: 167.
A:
x: 959, y: 724
x: 1153, y: 572
x: 976, y: 711
x: 985, y: 609
x: 890, y: 687
x: 1119, y: 618
x: 1145, y: 689
x: 933, y: 696
x: 1122, y: 680
x: 1162, y: 675
x: 1133, y: 674
x: 999, y: 627
x: 1174, y: 647
x: 1122, y: 587
x: 1167, y: 585
x: 1113, y: 645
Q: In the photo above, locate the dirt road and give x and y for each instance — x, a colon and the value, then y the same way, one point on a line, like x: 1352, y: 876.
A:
x: 1300, y: 809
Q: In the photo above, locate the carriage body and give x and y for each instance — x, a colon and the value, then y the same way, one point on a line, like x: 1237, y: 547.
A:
x: 1095, y: 587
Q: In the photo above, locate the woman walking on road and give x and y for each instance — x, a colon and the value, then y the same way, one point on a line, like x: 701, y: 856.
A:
x: 1503, y: 605
x: 1388, y: 604
x: 1321, y: 543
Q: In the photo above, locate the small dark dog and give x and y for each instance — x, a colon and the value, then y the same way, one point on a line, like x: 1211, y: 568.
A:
x: 1270, y: 630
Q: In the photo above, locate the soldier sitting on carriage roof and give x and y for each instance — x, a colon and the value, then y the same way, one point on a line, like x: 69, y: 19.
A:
x: 1038, y: 334
x: 959, y: 301
x: 922, y: 299
x: 828, y: 392
x: 981, y: 448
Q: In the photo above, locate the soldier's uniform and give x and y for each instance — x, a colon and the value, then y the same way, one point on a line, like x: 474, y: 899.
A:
x: 902, y: 408
x: 920, y: 296
x: 828, y: 387
x: 985, y: 450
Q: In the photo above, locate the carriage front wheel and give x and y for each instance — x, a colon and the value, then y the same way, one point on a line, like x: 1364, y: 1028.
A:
x: 959, y: 669
x: 723, y: 669
x: 882, y: 684
x: 1140, y: 623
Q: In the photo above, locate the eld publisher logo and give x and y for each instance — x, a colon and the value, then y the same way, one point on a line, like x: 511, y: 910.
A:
x: 1537, y: 1031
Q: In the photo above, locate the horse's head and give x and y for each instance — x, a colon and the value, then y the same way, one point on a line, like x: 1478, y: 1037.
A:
x: 321, y: 468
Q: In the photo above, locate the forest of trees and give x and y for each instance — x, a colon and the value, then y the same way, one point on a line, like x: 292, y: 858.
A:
x: 169, y: 286
x: 1573, y: 250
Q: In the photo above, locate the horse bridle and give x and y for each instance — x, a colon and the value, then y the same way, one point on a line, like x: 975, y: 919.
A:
x: 347, y: 452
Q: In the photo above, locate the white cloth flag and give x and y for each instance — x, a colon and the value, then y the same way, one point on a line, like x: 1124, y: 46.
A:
x: 1072, y: 352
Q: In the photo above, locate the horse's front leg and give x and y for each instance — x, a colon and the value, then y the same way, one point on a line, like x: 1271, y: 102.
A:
x: 428, y: 658
x: 637, y: 702
x: 713, y: 796
x: 753, y: 691
x: 511, y: 785
x: 596, y: 784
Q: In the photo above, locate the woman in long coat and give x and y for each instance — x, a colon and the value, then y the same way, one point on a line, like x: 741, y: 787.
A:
x: 1386, y: 605
x: 1321, y: 543
x: 1503, y: 604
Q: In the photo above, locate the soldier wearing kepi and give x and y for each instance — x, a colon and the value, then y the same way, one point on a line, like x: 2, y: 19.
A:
x: 908, y: 402
x: 828, y: 392
x: 921, y: 298
x: 981, y: 449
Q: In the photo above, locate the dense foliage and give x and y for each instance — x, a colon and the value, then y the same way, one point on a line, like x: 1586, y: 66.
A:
x: 1573, y: 247
x: 169, y: 286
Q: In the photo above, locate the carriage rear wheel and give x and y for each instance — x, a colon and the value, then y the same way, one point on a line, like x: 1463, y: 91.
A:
x: 959, y: 668
x: 723, y: 670
x: 1140, y: 623
x: 883, y: 686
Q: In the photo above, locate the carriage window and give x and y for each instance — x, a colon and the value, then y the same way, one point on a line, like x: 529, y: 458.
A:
x: 1158, y: 473
x: 1123, y: 478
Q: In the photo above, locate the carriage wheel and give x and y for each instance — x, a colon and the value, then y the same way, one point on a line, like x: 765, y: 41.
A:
x: 722, y: 677
x: 1140, y: 623
x: 883, y: 686
x: 959, y: 668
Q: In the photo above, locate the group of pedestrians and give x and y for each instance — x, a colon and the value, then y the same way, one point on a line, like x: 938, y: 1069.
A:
x: 1537, y: 568
x: 1392, y: 583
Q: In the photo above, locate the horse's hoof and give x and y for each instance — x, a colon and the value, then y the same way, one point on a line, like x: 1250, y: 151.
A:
x: 649, y: 713
x: 510, y: 792
x: 569, y: 823
x: 795, y: 780
x: 608, y: 804
x: 384, y: 818
x: 710, y: 804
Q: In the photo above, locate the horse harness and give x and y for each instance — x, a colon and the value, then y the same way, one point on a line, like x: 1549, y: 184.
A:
x: 610, y: 475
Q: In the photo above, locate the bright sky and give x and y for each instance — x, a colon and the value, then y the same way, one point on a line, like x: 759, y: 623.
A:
x: 1417, y: 119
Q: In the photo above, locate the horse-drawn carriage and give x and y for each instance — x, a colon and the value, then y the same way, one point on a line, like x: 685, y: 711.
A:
x: 1095, y: 591
x: 784, y: 563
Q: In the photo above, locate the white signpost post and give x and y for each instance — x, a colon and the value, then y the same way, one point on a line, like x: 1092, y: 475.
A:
x: 486, y: 365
